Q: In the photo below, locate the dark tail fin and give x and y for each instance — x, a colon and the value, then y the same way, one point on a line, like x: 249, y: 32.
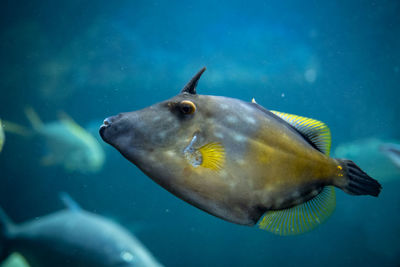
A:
x: 5, y: 229
x: 356, y: 181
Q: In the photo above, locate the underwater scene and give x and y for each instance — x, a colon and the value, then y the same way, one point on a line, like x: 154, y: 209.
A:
x: 199, y: 133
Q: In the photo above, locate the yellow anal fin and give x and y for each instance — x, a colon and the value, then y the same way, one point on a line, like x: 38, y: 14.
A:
x: 33, y: 118
x: 315, y: 131
x: 301, y: 218
x: 213, y: 156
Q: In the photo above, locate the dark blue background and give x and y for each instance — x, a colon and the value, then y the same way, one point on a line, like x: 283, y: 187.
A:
x: 337, y: 61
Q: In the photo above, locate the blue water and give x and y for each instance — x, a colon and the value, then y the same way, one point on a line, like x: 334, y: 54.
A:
x: 336, y: 61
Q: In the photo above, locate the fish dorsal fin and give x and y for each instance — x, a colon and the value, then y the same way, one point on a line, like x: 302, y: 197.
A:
x: 301, y: 218
x: 74, y: 127
x: 69, y: 121
x: 69, y: 202
x: 315, y: 132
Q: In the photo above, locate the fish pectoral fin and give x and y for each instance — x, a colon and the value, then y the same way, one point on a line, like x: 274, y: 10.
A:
x: 315, y: 132
x: 213, y: 156
x: 301, y: 218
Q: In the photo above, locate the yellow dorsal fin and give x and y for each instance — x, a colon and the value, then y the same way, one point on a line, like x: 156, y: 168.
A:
x: 316, y: 132
x: 213, y: 156
x: 33, y: 118
x: 301, y: 218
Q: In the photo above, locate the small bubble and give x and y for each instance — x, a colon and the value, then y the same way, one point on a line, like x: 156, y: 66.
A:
x: 283, y: 95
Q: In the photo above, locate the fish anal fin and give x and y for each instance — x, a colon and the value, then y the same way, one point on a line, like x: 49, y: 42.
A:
x: 301, y: 218
x: 315, y: 132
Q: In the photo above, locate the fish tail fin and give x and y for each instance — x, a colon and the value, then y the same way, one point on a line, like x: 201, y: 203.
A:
x: 33, y: 118
x: 354, y: 181
x: 15, y: 128
x: 6, y: 226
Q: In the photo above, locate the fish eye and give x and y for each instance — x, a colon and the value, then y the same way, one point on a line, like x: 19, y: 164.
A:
x: 187, y: 107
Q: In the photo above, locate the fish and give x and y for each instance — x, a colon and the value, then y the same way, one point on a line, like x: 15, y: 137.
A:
x: 14, y: 260
x: 392, y: 151
x: 237, y: 160
x: 374, y: 155
x: 68, y: 144
x: 2, y: 136
x: 72, y: 237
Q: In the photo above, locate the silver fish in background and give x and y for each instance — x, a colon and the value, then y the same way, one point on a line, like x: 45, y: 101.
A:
x: 73, y: 237
x: 392, y: 151
x: 237, y: 160
x: 15, y: 260
x: 68, y: 144
x: 377, y: 157
x: 2, y: 136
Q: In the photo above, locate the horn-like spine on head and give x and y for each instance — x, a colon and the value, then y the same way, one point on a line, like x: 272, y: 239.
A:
x: 190, y: 87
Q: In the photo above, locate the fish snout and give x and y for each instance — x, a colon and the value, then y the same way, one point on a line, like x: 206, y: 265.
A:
x: 107, y: 123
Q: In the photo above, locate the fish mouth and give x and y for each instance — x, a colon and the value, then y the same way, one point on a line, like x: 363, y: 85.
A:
x: 106, y: 124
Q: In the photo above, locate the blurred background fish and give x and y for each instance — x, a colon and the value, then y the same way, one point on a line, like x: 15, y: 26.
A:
x: 15, y: 260
x: 67, y: 143
x: 377, y: 157
x: 72, y: 237
x: 2, y: 136
x: 392, y: 151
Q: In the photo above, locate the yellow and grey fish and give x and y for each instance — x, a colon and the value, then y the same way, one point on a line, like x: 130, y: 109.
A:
x: 237, y: 160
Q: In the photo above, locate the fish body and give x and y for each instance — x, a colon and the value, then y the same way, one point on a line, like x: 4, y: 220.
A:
x: 73, y: 237
x: 233, y: 159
